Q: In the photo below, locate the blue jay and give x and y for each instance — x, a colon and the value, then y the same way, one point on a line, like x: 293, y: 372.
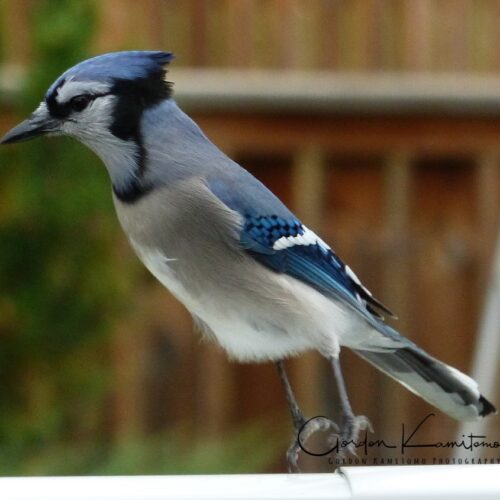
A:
x: 256, y: 279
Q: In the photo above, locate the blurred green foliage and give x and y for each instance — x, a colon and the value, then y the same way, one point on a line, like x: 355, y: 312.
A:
x: 58, y: 273
x: 61, y: 285
x: 250, y: 448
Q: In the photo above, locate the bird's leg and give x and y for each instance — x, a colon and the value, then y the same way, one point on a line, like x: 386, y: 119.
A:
x: 351, y: 424
x: 297, y: 415
x: 303, y: 429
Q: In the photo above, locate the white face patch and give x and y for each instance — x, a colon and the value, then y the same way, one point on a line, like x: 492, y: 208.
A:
x: 95, y: 119
x: 72, y: 88
x: 306, y: 239
x: 91, y: 126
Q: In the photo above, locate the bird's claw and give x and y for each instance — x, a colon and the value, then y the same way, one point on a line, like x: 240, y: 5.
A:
x: 305, y: 431
x: 352, y: 425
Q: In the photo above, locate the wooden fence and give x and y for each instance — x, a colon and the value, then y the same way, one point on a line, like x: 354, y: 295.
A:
x: 345, y: 35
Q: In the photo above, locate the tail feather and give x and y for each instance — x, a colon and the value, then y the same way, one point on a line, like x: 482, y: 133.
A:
x: 443, y: 386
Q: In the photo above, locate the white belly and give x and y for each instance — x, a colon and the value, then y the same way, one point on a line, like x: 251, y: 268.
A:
x: 247, y: 334
x: 296, y: 319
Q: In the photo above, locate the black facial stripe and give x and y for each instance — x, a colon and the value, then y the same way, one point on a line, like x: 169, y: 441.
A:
x: 134, y: 96
x: 136, y: 187
x: 134, y: 191
x: 55, y: 109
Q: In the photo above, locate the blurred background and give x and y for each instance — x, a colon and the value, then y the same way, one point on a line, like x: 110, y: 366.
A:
x: 377, y: 121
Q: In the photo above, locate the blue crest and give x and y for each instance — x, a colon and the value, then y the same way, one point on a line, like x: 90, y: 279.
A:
x: 108, y: 68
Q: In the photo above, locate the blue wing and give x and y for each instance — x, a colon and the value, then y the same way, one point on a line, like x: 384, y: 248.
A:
x: 272, y: 235
x: 287, y: 246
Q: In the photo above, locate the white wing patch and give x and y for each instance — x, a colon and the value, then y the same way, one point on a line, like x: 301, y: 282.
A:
x: 308, y: 238
x: 356, y: 280
x: 351, y: 275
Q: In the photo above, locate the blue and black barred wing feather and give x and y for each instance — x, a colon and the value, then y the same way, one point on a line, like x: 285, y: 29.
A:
x: 287, y: 246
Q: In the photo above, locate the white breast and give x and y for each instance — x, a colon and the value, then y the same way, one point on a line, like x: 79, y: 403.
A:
x: 246, y: 332
x: 161, y: 267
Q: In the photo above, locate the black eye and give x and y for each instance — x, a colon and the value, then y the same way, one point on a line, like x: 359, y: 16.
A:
x: 80, y: 102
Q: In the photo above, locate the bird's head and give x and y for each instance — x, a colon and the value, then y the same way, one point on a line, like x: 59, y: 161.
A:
x: 100, y: 98
x: 101, y: 102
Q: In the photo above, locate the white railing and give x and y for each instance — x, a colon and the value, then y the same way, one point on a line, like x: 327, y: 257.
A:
x: 458, y: 482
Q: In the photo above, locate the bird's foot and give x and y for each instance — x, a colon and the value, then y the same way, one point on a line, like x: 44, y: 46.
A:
x: 305, y: 430
x: 347, y: 439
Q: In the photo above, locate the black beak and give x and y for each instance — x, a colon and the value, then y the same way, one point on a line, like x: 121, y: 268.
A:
x: 39, y: 123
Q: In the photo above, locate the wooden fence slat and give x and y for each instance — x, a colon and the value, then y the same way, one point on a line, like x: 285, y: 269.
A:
x: 417, y: 33
x: 488, y: 209
x: 16, y: 32
x: 396, y: 276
